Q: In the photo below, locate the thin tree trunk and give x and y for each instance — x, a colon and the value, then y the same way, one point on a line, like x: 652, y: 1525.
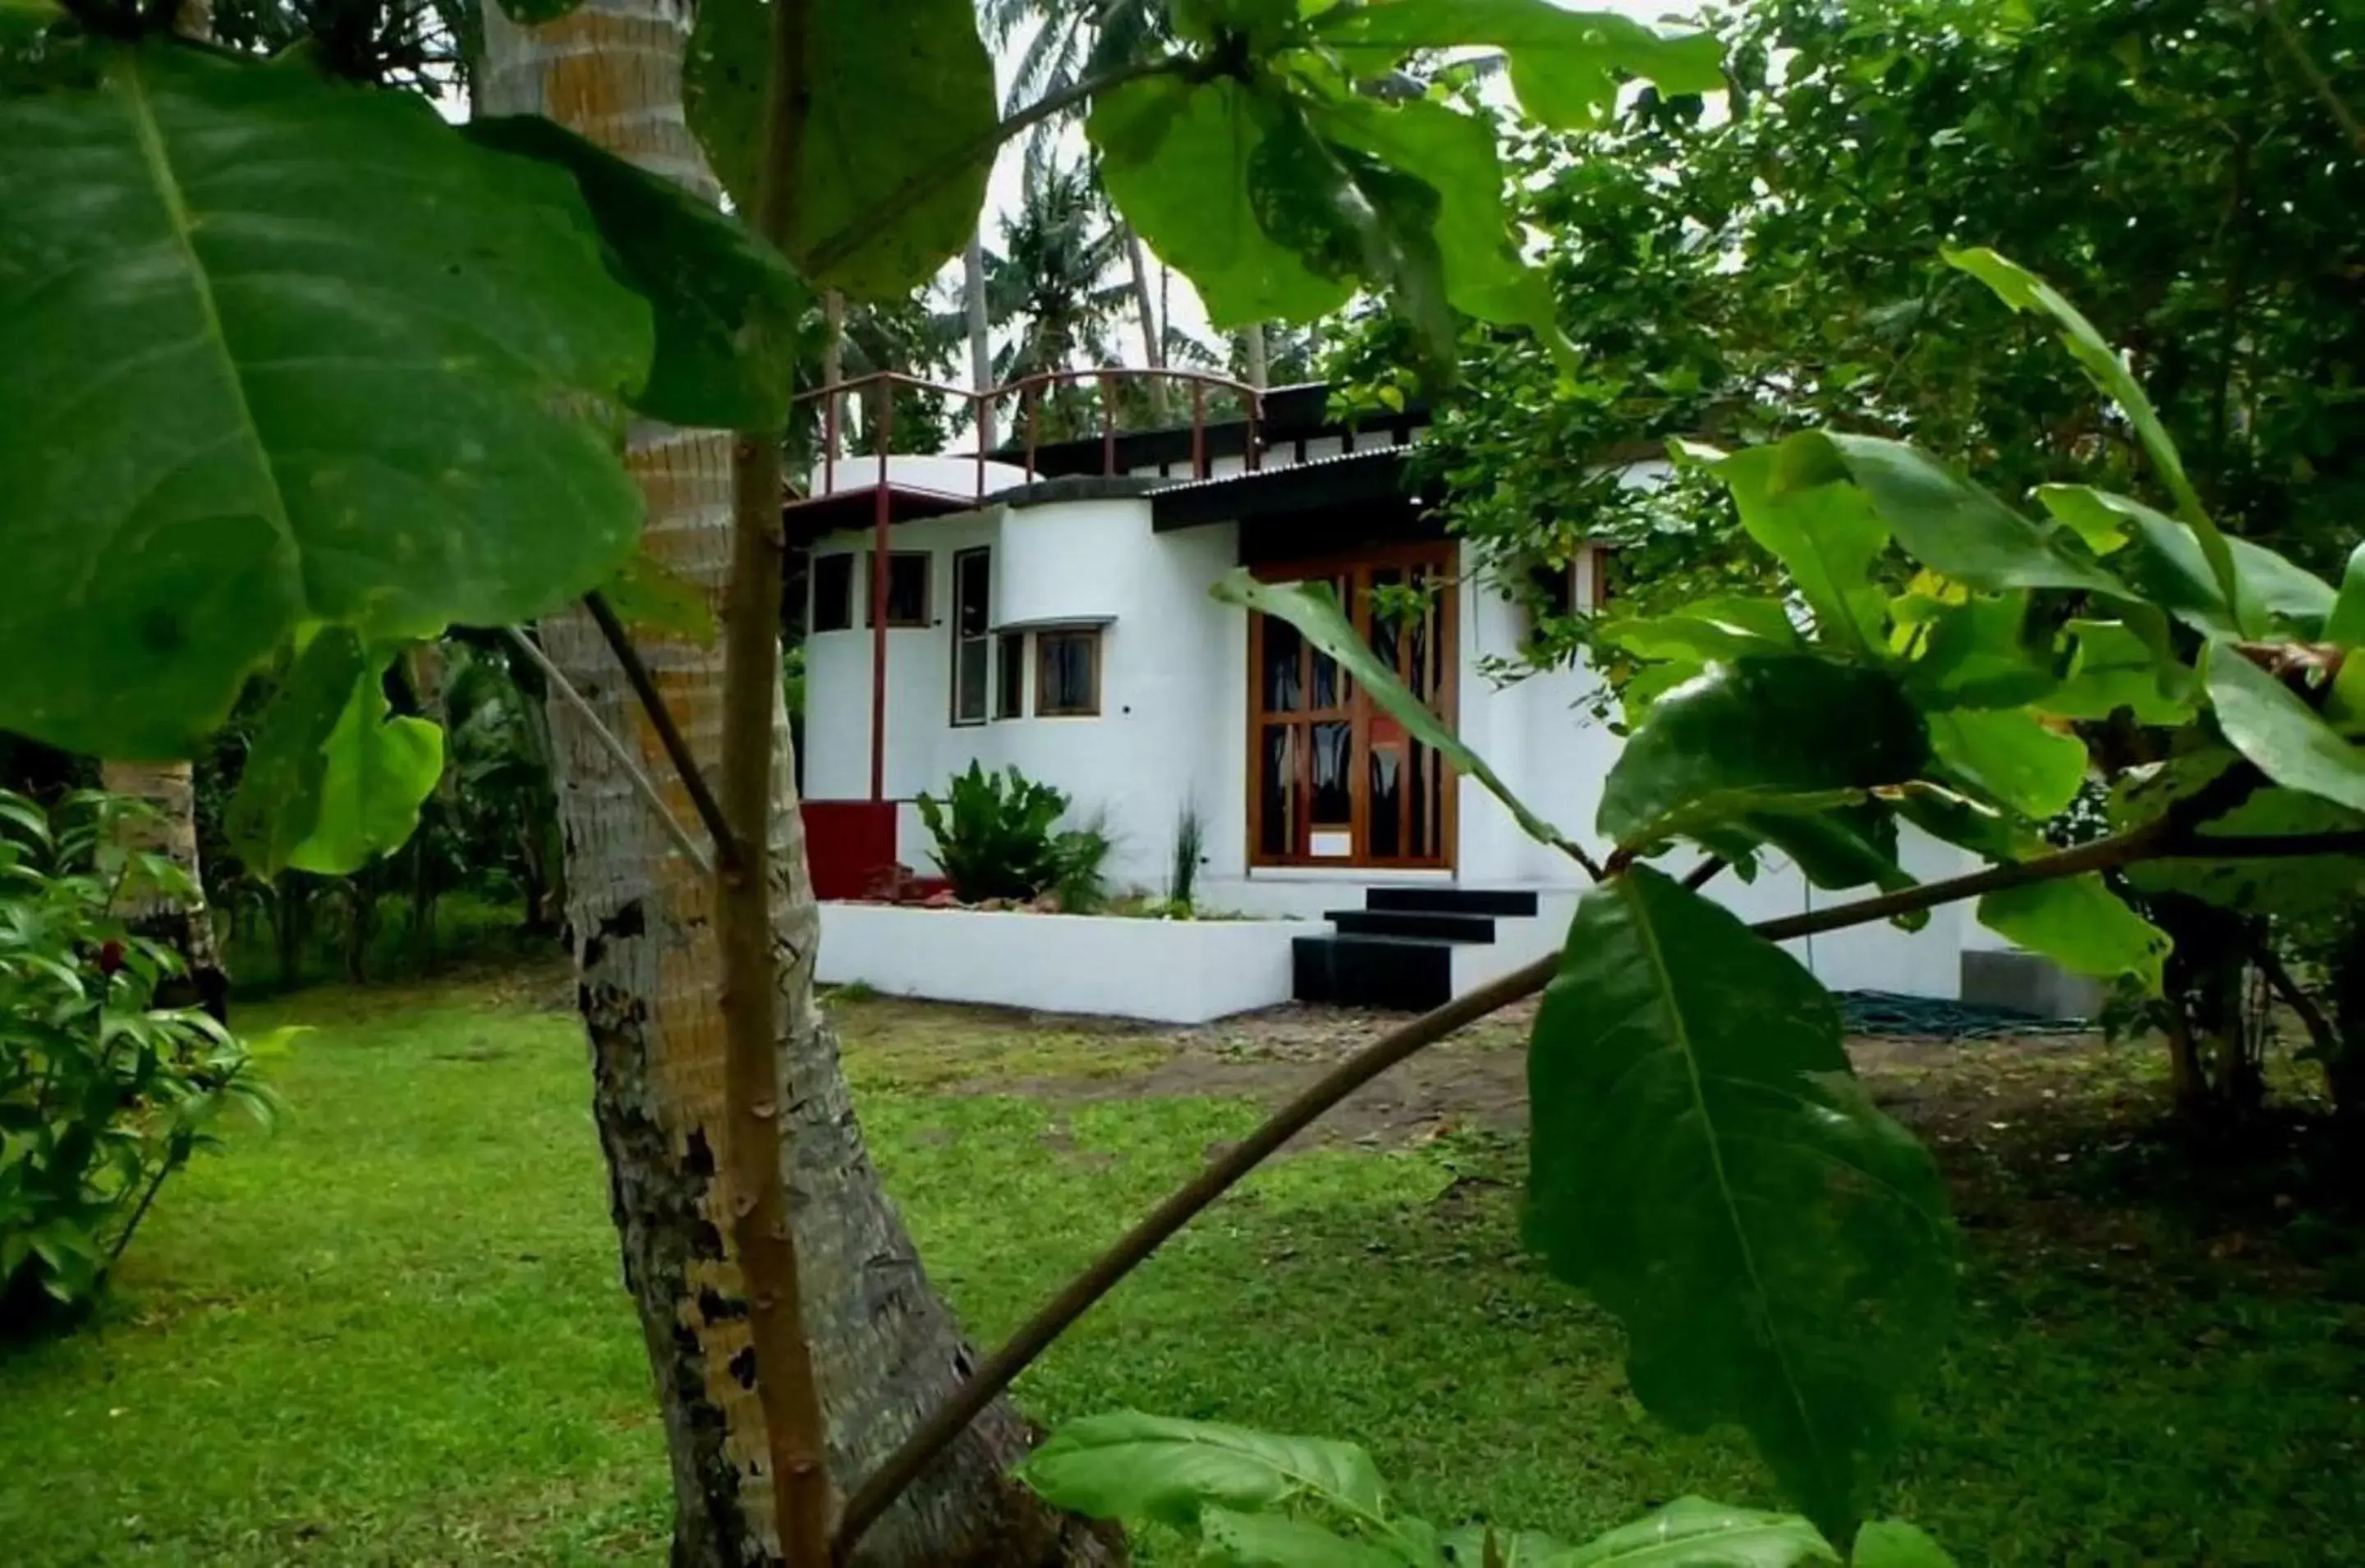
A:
x: 1253, y: 354
x: 885, y: 1347
x: 980, y: 338
x: 833, y: 368
x: 169, y: 791
x: 1153, y: 346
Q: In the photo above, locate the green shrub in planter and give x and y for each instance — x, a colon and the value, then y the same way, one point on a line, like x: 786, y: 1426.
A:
x: 997, y: 836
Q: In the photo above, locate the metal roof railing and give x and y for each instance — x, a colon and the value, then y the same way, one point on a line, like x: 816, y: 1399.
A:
x: 877, y: 392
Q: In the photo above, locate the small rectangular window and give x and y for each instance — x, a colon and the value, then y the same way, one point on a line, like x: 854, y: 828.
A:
x: 832, y: 591
x: 1068, y: 672
x: 1009, y: 696
x: 972, y: 588
x: 907, y: 589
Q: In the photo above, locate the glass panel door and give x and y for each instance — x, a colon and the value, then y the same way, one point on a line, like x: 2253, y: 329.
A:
x: 1334, y: 778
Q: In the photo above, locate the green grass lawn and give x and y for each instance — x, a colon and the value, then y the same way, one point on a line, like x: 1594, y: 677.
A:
x: 392, y: 1333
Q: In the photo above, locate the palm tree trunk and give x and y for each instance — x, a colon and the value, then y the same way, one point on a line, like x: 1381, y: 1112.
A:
x: 169, y: 791
x: 1153, y: 346
x: 885, y: 1346
x: 980, y: 340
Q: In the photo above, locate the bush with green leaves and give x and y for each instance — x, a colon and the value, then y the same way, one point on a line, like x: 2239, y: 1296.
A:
x: 997, y: 836
x: 1261, y: 1500
x: 102, y: 1095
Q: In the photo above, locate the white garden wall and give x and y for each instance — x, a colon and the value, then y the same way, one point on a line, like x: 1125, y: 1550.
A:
x: 1173, y: 971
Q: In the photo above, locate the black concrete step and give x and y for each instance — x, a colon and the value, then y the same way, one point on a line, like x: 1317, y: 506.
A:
x: 1452, y: 900
x: 1414, y: 973
x: 1449, y: 927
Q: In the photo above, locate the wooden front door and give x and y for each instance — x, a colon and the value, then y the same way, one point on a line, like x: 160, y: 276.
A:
x: 1333, y: 781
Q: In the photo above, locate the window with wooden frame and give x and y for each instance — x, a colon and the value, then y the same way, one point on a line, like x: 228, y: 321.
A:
x: 1009, y: 673
x: 1068, y: 672
x: 907, y: 589
x: 972, y: 647
x: 833, y: 593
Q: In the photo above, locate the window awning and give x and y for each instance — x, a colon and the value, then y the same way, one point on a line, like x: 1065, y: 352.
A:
x: 1054, y: 624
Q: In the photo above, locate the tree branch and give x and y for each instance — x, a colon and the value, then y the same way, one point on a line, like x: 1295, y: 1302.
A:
x: 994, y: 1374
x: 2296, y: 47
x: 2164, y: 838
x: 660, y: 717
x: 835, y: 250
x: 787, y: 1392
x: 614, y: 744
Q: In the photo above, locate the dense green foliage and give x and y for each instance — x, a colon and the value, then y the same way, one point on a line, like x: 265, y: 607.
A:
x: 1770, y: 260
x: 103, y: 1094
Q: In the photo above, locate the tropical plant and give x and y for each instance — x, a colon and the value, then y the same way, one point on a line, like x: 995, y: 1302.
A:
x: 1190, y: 848
x: 996, y: 837
x: 103, y: 1094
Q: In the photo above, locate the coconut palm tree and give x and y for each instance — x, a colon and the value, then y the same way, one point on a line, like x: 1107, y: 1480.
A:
x: 1057, y: 287
x: 885, y: 1347
x: 1070, y: 41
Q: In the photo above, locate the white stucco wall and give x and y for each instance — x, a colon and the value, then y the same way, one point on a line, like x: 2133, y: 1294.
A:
x: 1170, y: 728
x: 1173, y: 971
x: 1173, y: 729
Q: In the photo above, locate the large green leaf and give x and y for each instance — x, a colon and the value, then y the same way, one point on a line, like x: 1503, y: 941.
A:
x: 1454, y: 155
x: 2012, y: 756
x: 1825, y: 533
x: 1318, y: 616
x: 650, y: 598
x: 1708, y: 629
x: 1894, y: 1543
x: 2301, y: 887
x: 729, y: 311
x: 1128, y: 1465
x: 278, y: 351
x: 380, y: 770
x: 2024, y: 290
x: 1175, y: 158
x: 1760, y: 728
x: 2267, y: 722
x: 1986, y: 651
x: 1566, y: 65
x: 893, y: 155
x: 332, y: 781
x: 2080, y: 924
x: 1233, y: 1539
x: 1692, y: 1532
x: 2166, y: 564
x: 2345, y: 623
x: 1703, y: 1161
x: 2114, y: 669
x: 277, y: 802
x: 1347, y: 215
x: 1945, y: 521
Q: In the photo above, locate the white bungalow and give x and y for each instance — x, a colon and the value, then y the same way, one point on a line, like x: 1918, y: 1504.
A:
x: 1052, y: 613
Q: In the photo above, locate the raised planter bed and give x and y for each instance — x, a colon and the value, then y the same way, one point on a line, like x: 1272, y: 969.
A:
x: 1170, y: 971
